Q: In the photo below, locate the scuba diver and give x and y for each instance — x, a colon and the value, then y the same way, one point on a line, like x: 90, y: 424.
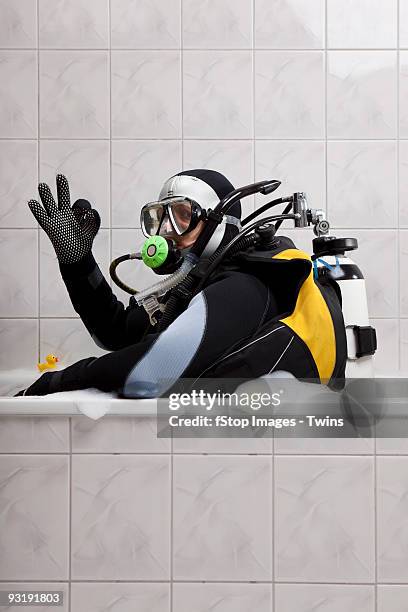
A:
x: 235, y: 303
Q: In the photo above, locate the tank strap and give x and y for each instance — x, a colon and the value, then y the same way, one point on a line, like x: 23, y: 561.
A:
x: 365, y: 341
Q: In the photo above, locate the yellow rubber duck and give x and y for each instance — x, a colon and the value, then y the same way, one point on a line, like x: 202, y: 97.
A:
x: 49, y: 364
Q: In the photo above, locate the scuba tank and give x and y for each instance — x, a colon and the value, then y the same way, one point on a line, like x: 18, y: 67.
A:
x: 333, y: 266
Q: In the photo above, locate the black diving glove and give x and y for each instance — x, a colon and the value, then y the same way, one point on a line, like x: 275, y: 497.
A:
x: 71, y: 229
x: 70, y: 378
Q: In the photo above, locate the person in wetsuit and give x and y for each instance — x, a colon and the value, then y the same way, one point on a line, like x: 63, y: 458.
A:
x: 230, y: 308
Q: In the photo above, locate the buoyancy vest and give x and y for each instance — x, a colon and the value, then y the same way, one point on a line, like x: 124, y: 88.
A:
x: 308, y: 336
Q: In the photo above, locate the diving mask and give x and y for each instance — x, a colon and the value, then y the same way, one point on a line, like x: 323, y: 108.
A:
x: 172, y: 216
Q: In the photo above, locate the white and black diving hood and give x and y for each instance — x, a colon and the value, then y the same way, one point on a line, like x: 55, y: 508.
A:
x: 207, y: 188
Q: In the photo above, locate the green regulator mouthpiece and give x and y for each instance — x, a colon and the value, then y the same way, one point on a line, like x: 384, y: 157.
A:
x: 155, y: 251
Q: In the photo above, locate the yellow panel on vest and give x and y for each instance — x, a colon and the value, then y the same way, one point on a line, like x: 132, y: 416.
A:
x: 311, y: 320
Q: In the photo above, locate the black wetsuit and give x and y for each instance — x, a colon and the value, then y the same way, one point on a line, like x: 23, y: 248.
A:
x: 143, y: 363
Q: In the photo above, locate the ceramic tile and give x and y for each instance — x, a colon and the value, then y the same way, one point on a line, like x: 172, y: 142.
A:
x: 324, y: 597
x: 289, y: 94
x: 404, y: 345
x: 117, y: 435
x: 403, y: 90
x: 146, y: 94
x: 34, y: 521
x: 377, y: 258
x: 215, y: 105
x: 354, y: 108
x: 217, y: 24
x: 362, y: 24
x: 386, y: 358
x: 19, y: 342
x: 324, y: 446
x: 320, y: 536
x: 18, y: 23
x: 18, y: 275
x: 18, y: 178
x: 74, y: 24
x: 392, y: 597
x: 227, y: 597
x: 144, y: 24
x: 123, y: 596
x: 117, y: 533
x: 86, y: 166
x: 18, y: 94
x: 403, y: 183
x: 403, y: 255
x: 34, y: 435
x: 403, y: 23
x: 74, y: 94
x: 139, y: 169
x: 299, y: 165
x: 392, y: 536
x: 362, y: 184
x: 289, y: 24
x: 221, y: 446
x: 222, y: 518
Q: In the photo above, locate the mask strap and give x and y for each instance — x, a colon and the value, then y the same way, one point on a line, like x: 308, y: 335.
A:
x: 218, y: 235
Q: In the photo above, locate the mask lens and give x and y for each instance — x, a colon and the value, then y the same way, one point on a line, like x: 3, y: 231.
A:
x: 150, y: 218
x: 181, y: 215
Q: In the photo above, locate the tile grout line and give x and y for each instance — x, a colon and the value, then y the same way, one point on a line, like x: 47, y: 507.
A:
x: 171, y: 526
x: 38, y: 179
x: 203, y: 50
x: 110, y: 131
x: 198, y: 581
x: 70, y: 513
x: 254, y: 171
x: 325, y: 108
x: 182, y: 84
x: 398, y: 192
x: 197, y: 138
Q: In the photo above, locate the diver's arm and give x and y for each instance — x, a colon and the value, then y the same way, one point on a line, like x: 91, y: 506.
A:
x: 225, y: 313
x: 72, y: 230
x: 110, y: 324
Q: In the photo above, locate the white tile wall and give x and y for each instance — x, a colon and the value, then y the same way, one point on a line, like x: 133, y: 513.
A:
x: 135, y: 526
x: 120, y: 95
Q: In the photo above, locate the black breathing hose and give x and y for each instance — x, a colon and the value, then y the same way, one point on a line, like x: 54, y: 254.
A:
x: 266, y: 206
x: 284, y: 212
x: 115, y: 277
